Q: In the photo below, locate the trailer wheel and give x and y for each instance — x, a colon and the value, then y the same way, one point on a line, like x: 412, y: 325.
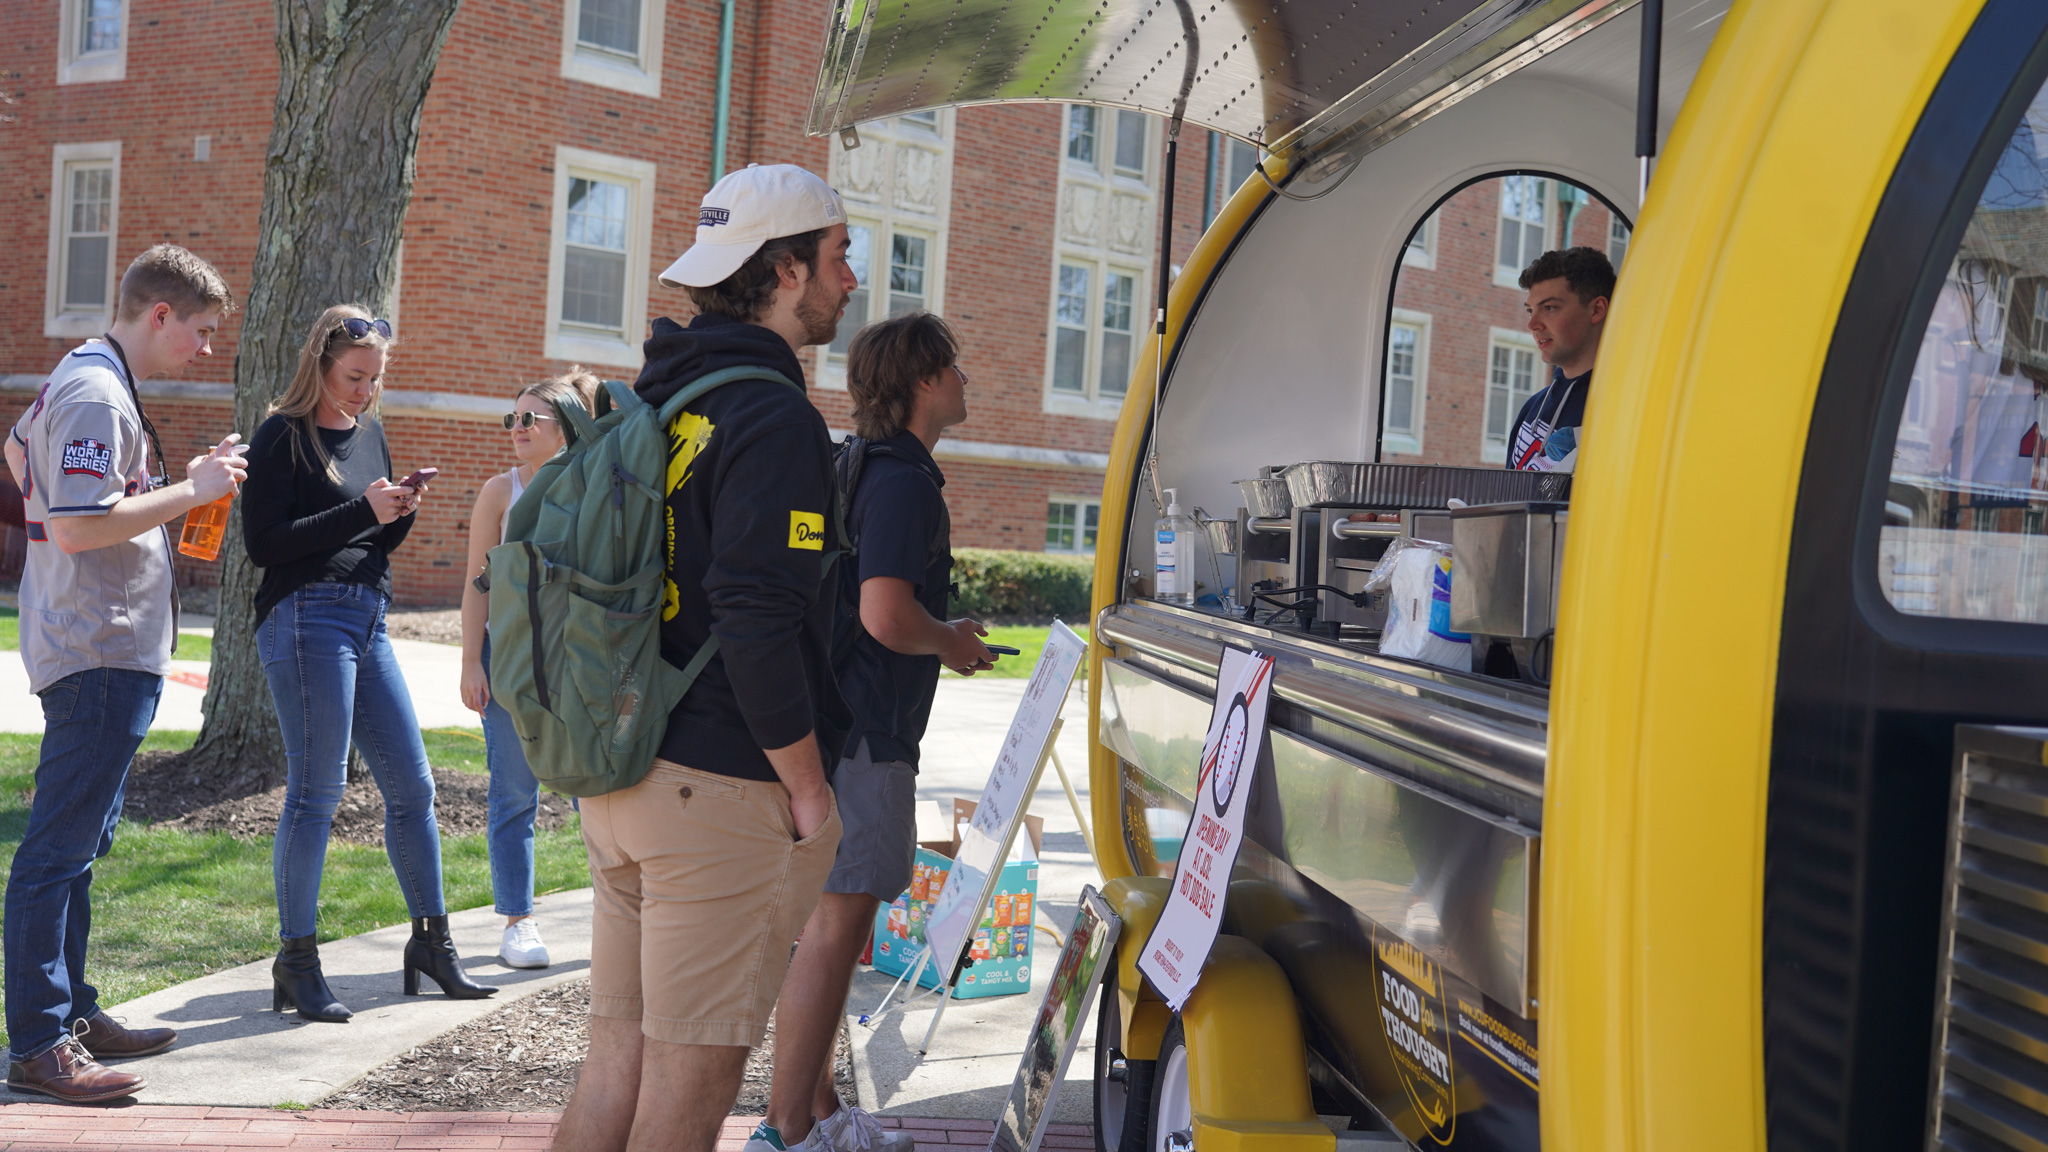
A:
x: 1173, y: 1109
x: 1123, y: 1088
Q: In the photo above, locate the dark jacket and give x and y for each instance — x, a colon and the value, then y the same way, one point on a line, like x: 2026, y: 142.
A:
x: 750, y: 493
x: 300, y: 526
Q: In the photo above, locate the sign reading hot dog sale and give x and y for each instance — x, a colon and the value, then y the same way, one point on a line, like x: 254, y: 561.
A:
x: 1180, y: 941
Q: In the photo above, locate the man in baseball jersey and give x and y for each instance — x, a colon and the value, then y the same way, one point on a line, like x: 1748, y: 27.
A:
x: 98, y: 618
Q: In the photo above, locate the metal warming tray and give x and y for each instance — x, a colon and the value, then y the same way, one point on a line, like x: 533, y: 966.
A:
x: 1506, y: 559
x: 1336, y: 483
x: 1265, y: 496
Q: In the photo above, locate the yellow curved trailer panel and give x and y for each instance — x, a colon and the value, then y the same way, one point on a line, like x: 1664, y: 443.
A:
x: 1652, y: 883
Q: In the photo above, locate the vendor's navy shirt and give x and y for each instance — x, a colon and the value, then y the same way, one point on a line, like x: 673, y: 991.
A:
x: 1541, y: 430
x: 899, y: 523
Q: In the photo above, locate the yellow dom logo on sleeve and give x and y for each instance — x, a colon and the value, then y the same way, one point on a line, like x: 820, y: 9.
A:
x: 807, y: 530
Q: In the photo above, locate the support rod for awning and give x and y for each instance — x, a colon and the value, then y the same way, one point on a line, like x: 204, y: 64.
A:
x: 1191, y: 53
x: 1650, y: 61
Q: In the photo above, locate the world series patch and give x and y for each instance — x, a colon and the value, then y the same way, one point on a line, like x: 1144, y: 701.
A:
x: 87, y: 457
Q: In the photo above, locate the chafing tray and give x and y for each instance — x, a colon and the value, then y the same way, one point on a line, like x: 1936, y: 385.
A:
x: 1265, y: 497
x: 1335, y: 483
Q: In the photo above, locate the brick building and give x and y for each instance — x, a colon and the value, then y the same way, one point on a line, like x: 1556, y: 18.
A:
x: 564, y: 146
x: 563, y: 149
x: 1460, y: 360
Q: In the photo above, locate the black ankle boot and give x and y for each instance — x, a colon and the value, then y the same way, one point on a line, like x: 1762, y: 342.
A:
x: 430, y: 951
x: 296, y: 979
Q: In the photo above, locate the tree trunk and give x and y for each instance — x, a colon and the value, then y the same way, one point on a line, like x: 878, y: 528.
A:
x: 352, y: 77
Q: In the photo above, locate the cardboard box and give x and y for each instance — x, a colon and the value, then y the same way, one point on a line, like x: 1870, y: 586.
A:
x: 1002, y: 945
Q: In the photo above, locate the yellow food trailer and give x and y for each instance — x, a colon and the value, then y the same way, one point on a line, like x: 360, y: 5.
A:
x: 1744, y: 841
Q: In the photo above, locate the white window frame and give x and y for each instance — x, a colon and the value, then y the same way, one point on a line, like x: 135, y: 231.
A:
x: 75, y: 67
x: 1144, y: 173
x: 1627, y: 237
x: 56, y: 321
x: 1421, y: 253
x: 639, y: 75
x: 1092, y: 401
x: 884, y: 226
x: 1503, y: 275
x: 578, y: 345
x: 1490, y: 452
x: 1081, y: 504
x: 882, y: 215
x: 1408, y: 443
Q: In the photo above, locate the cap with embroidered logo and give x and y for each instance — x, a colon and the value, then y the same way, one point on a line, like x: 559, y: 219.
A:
x: 747, y: 209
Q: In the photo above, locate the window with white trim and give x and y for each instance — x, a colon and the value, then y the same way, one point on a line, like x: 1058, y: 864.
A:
x: 1095, y: 314
x: 1524, y: 226
x: 614, y: 44
x: 1407, y: 382
x: 1071, y: 524
x: 1420, y: 251
x: 598, y: 257
x: 1117, y: 141
x: 1617, y: 239
x: 1131, y: 138
x: 906, y: 283
x: 898, y: 191
x: 85, y: 203
x: 92, y: 41
x: 1513, y: 375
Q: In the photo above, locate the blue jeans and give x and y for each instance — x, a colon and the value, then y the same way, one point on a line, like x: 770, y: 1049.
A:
x: 515, y: 797
x: 333, y: 677
x: 92, y: 723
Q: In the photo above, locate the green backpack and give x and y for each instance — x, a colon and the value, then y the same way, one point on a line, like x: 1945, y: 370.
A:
x: 576, y: 594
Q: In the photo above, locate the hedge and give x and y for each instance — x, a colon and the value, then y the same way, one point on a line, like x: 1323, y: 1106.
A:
x: 1022, y: 586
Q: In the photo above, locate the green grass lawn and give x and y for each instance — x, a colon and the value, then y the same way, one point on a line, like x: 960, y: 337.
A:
x: 191, y: 645
x: 169, y: 906
x: 1030, y: 641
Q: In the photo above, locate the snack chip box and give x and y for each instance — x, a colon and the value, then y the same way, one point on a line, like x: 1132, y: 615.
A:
x: 1001, y: 949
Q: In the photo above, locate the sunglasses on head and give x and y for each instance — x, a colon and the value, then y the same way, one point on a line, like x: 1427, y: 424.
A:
x: 357, y: 328
x: 523, y: 419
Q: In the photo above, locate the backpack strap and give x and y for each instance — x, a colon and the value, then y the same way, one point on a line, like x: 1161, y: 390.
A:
x: 674, y: 405
x: 577, y: 422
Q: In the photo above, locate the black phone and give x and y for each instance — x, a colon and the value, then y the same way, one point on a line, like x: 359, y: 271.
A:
x: 1003, y: 650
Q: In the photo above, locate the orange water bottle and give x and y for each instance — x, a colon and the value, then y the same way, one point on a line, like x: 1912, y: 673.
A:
x: 205, y: 527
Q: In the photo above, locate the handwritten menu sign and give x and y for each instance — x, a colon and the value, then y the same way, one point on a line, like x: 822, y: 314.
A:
x: 987, y: 838
x: 1173, y: 957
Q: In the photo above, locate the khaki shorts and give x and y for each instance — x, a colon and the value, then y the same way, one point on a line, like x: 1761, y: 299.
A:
x: 701, y: 888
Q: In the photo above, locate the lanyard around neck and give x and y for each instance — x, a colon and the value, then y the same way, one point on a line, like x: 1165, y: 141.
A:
x: 156, y: 444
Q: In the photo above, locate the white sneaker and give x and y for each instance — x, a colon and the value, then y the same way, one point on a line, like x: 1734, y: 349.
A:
x: 766, y: 1138
x: 521, y: 947
x: 854, y: 1129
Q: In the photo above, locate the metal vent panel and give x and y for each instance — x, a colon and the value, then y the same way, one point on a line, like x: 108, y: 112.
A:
x: 1990, y: 1083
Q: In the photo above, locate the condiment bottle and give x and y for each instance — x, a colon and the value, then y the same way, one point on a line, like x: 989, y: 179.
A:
x: 205, y: 527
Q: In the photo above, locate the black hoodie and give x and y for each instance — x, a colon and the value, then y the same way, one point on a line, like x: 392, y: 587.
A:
x: 750, y: 491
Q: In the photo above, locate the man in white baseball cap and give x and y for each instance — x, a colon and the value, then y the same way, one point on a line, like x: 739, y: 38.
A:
x: 707, y: 868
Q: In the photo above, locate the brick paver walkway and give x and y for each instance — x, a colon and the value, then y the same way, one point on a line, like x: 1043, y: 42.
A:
x: 27, y: 1127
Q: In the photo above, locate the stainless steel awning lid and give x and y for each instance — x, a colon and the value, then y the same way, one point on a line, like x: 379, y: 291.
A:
x: 1276, y: 72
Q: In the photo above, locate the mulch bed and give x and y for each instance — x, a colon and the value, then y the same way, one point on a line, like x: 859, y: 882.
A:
x: 164, y: 789
x: 525, y: 1058
x: 436, y: 626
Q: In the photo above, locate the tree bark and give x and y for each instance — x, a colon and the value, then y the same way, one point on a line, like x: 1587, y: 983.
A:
x: 352, y: 78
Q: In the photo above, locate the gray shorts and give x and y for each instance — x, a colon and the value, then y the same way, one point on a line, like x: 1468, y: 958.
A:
x: 878, y: 805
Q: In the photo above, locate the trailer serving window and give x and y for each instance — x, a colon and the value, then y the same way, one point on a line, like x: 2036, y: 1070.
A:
x: 1965, y: 532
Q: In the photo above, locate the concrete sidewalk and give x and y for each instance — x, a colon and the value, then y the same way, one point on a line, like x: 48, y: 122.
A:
x: 233, y: 1050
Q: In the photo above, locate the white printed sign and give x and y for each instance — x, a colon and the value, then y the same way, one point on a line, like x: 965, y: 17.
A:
x: 1180, y: 941
x: 1003, y: 799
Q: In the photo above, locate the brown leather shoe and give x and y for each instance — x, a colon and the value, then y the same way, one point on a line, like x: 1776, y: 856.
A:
x: 69, y: 1075
x: 109, y: 1039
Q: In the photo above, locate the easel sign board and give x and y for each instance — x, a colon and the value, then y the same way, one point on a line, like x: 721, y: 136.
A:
x: 1186, y: 930
x: 1090, y: 950
x: 986, y: 839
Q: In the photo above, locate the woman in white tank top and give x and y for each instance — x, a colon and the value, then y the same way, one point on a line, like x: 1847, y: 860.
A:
x: 515, y: 795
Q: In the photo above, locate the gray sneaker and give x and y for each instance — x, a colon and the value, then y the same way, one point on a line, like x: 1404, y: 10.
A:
x: 854, y: 1129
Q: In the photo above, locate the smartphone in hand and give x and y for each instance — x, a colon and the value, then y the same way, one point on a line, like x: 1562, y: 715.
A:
x: 418, y: 478
x: 1003, y: 650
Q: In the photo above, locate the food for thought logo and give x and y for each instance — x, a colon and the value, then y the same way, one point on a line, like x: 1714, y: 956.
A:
x: 1411, y: 996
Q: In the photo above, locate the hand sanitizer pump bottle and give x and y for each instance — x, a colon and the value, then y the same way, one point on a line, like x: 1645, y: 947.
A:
x: 1173, y: 571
